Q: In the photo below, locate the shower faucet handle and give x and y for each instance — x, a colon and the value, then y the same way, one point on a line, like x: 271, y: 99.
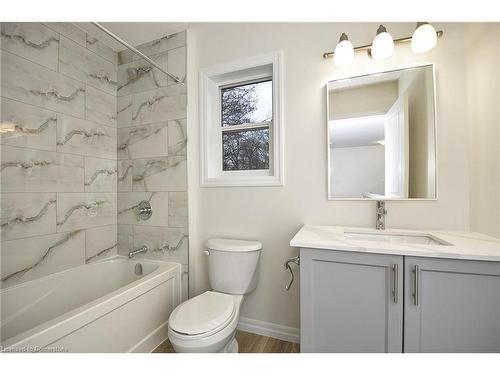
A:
x: 144, y: 210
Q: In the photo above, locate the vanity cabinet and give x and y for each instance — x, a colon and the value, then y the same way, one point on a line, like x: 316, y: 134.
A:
x: 355, y: 302
x: 350, y: 302
x: 451, y: 305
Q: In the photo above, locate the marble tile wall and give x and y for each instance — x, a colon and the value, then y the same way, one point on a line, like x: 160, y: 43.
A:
x: 58, y: 142
x: 151, y: 151
x: 86, y: 135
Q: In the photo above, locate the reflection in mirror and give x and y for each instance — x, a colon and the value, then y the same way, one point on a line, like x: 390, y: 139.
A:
x: 381, y: 136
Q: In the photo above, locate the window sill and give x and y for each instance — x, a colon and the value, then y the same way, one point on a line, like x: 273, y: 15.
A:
x: 243, y: 182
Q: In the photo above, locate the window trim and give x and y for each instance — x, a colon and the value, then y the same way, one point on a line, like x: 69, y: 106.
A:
x: 212, y: 80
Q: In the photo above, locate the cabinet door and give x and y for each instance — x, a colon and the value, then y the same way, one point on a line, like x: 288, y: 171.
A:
x: 451, y: 305
x: 347, y: 302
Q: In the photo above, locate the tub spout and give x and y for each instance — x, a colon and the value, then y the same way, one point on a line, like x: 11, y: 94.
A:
x: 142, y: 249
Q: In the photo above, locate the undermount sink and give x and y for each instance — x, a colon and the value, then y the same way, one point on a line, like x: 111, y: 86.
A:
x: 415, y: 239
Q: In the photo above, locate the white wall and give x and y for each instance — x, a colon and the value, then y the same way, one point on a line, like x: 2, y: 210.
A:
x: 357, y: 170
x: 483, y: 89
x: 374, y: 99
x: 418, y: 85
x: 274, y: 214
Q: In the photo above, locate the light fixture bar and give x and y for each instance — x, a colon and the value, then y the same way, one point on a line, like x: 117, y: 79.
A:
x: 368, y: 47
x: 136, y: 51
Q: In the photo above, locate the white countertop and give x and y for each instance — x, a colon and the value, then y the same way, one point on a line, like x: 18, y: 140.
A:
x: 462, y: 245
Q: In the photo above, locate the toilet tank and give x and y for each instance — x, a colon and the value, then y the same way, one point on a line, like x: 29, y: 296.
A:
x: 233, y: 265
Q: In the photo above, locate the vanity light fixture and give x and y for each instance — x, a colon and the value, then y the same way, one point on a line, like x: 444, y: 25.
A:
x: 424, y: 39
x: 383, y: 44
x: 344, y: 52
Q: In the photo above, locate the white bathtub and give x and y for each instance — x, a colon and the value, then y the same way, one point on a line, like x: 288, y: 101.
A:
x: 99, y: 307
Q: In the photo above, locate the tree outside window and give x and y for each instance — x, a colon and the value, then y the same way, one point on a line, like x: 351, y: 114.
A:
x: 246, y: 118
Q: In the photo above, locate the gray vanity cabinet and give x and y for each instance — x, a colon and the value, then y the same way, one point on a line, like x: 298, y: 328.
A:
x: 354, y: 302
x: 451, y: 305
x: 350, y: 302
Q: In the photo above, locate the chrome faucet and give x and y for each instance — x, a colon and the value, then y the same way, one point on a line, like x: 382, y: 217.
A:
x: 142, y: 249
x: 381, y: 212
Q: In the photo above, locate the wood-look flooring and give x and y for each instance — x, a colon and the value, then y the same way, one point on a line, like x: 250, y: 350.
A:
x: 248, y: 343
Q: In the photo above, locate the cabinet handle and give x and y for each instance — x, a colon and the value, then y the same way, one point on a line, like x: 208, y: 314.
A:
x: 395, y: 282
x: 416, y: 282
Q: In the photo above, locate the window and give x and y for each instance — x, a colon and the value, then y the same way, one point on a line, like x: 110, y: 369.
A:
x: 241, y: 123
x: 245, y: 149
x: 246, y: 116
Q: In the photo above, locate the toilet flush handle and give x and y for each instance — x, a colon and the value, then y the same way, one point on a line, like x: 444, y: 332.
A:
x: 206, y: 252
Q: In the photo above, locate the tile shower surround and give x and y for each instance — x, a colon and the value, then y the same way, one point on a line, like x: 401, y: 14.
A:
x: 58, y: 167
x: 93, y: 133
x: 151, y: 151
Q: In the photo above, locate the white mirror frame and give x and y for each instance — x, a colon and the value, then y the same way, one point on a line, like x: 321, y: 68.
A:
x: 328, y: 174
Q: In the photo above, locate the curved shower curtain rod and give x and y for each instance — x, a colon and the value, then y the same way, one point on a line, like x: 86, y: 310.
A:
x: 136, y: 51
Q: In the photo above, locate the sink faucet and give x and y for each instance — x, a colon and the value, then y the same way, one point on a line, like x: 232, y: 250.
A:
x: 142, y: 249
x: 381, y: 212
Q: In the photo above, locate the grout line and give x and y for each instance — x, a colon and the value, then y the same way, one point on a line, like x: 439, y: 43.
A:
x: 66, y: 36
x: 115, y: 63
x: 56, y: 71
x: 137, y: 58
x: 93, y: 192
x: 150, y: 56
x: 85, y: 246
x: 76, y: 192
x: 58, y: 112
x: 77, y: 43
x: 181, y: 229
x: 155, y: 157
x: 53, y: 233
x: 134, y: 63
x: 59, y: 53
x: 85, y: 107
x: 153, y: 123
x: 60, y: 152
x: 55, y: 216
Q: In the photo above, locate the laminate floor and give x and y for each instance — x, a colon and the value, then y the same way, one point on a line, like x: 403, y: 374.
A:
x: 248, y: 343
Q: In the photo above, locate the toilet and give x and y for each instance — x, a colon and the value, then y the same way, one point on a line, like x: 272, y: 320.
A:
x: 207, y: 323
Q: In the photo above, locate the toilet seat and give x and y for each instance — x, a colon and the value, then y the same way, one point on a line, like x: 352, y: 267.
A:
x: 203, y: 315
x: 219, y: 339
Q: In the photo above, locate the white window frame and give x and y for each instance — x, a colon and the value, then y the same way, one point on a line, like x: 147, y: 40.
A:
x: 212, y: 79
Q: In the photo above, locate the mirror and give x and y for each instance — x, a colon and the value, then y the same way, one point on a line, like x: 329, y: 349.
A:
x: 381, y: 136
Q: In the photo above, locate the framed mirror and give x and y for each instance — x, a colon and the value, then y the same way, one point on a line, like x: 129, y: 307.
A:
x: 382, y: 136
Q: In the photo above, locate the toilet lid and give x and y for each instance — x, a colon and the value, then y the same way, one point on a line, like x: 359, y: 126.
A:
x: 202, y: 313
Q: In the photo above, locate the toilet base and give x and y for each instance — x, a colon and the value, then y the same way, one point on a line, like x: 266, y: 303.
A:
x: 232, y: 347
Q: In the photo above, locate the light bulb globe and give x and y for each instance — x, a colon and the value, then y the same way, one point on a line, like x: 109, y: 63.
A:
x: 382, y: 46
x: 424, y: 38
x: 344, y: 53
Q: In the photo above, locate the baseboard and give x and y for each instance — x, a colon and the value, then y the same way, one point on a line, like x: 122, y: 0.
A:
x: 276, y: 331
x: 151, y: 341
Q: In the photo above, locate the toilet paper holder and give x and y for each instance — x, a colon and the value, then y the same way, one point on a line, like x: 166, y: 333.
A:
x: 295, y: 260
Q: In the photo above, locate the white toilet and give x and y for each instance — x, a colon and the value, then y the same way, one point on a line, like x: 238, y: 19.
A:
x: 207, y: 323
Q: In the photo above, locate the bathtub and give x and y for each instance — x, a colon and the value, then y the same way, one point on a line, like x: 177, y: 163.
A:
x: 114, y: 305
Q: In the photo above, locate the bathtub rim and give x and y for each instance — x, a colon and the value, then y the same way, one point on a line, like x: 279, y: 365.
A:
x: 71, y: 269
x: 52, y: 330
